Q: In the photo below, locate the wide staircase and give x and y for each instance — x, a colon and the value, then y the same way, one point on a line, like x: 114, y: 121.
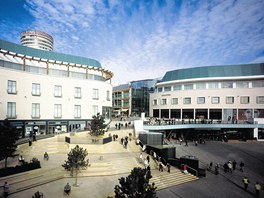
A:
x: 175, y: 177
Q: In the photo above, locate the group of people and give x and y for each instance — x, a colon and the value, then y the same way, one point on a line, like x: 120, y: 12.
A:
x: 246, y: 182
x: 124, y: 141
x: 119, y: 125
x: 230, y: 166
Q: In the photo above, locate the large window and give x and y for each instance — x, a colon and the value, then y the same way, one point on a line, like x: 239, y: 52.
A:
x: 188, y: 86
x: 95, y: 94
x: 95, y: 109
x: 260, y: 100
x: 159, y: 89
x: 230, y: 100
x: 242, y: 84
x: 57, y: 111
x: 77, y: 92
x: 258, y: 83
x: 215, y: 100
x: 11, y: 87
x: 187, y: 100
x: 200, y: 85
x: 58, y: 91
x: 155, y: 102
x: 174, y: 101
x: 77, y: 111
x: 11, y: 110
x: 227, y: 85
x: 244, y: 99
x: 35, y: 89
x: 201, y: 100
x: 167, y: 88
x: 108, y: 95
x: 35, y: 110
x: 163, y: 101
x: 213, y: 85
x: 177, y: 87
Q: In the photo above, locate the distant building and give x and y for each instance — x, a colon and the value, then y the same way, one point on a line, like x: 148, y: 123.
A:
x: 224, y: 95
x: 132, y: 99
x: 37, y: 39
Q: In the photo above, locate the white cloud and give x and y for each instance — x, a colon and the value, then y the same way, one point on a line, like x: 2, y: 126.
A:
x: 144, y: 39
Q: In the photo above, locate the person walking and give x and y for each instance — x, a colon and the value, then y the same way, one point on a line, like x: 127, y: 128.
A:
x: 245, y: 182
x: 141, y: 158
x: 67, y: 189
x: 6, y: 189
x: 168, y: 166
x: 242, y: 166
x: 257, y: 188
x: 234, y: 164
x: 230, y: 167
x: 217, y: 169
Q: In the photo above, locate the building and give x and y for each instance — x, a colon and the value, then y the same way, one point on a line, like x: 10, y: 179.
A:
x: 132, y: 99
x: 221, y: 95
x: 50, y: 92
x: 37, y: 39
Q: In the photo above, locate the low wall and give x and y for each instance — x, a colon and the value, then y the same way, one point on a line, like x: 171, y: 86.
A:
x: 83, y: 140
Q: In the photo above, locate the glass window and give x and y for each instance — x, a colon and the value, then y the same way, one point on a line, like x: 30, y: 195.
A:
x: 11, y: 87
x: 77, y: 92
x: 160, y: 89
x: 244, y: 99
x: 177, y: 87
x: 58, y: 91
x: 11, y: 110
x: 95, y: 109
x: 174, y: 101
x: 35, y: 89
x: 35, y: 110
x: 108, y: 96
x: 258, y: 83
x: 187, y: 100
x: 155, y: 102
x: 200, y: 85
x: 215, y: 100
x: 95, y: 94
x: 260, y: 99
x: 188, y: 86
x: 230, y: 100
x: 213, y: 85
x: 201, y: 100
x: 167, y: 88
x: 77, y: 111
x: 126, y: 94
x: 57, y: 111
x: 227, y: 85
x: 242, y: 84
x: 163, y: 101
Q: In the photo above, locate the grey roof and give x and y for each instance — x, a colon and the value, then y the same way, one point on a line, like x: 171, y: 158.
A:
x: 215, y: 71
x: 28, y: 51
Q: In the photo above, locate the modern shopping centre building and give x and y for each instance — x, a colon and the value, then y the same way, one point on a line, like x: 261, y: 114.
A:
x: 50, y: 92
x: 225, y: 100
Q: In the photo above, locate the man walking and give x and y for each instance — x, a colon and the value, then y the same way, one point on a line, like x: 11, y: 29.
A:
x: 246, y: 182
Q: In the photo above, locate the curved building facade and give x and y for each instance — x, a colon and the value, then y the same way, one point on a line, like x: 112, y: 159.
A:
x: 37, y: 39
x: 230, y: 94
x: 50, y: 92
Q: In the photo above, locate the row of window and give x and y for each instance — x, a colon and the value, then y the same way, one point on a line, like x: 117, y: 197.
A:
x: 12, y: 89
x: 212, y: 85
x: 35, y: 112
x: 214, y: 100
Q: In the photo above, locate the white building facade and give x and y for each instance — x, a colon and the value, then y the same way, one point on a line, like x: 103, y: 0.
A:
x: 215, y: 94
x: 51, y: 92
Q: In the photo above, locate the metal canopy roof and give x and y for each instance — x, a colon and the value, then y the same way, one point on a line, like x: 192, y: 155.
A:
x: 48, y: 55
x: 215, y: 71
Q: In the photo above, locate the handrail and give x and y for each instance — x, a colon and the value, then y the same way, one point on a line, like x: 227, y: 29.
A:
x: 190, y: 168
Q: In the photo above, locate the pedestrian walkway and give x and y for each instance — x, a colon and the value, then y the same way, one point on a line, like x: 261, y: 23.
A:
x: 108, y: 163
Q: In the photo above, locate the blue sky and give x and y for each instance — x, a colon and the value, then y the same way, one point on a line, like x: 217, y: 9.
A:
x: 143, y: 39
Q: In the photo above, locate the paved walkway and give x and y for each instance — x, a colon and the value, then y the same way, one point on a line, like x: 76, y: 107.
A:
x: 111, y: 161
x: 224, y: 185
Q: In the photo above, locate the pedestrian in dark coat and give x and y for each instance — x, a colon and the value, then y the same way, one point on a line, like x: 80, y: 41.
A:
x: 234, y: 165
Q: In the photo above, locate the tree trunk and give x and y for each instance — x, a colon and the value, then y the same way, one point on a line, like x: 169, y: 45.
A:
x: 76, y: 176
